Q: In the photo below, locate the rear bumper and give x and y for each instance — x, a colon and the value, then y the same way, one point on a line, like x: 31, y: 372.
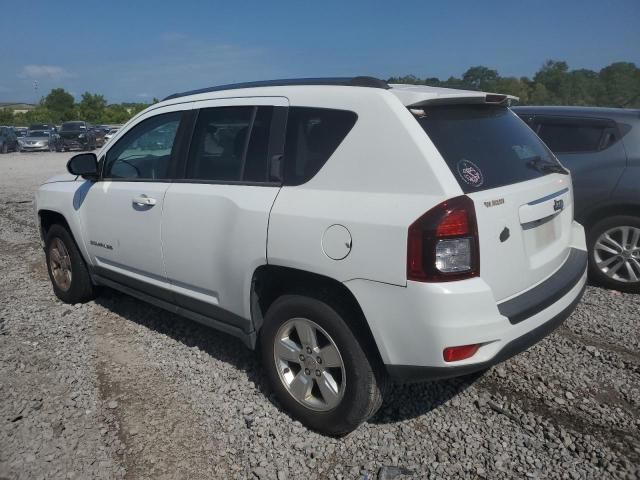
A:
x: 412, y: 325
x: 408, y: 373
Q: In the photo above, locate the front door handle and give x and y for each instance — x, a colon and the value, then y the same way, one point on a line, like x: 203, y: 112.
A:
x: 143, y: 200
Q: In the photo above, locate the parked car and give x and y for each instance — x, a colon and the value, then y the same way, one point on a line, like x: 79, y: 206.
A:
x: 8, y: 140
x: 601, y: 148
x: 110, y: 134
x: 77, y: 135
x: 40, y: 140
x: 413, y: 232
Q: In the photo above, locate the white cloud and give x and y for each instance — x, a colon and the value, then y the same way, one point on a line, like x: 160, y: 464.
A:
x: 53, y: 72
x: 143, y: 95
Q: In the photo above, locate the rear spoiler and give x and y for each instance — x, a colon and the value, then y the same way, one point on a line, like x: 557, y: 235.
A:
x: 489, y: 98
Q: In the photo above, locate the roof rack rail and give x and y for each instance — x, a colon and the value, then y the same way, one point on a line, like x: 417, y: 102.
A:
x: 370, y: 82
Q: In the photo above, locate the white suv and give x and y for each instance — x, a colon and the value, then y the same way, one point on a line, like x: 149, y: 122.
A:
x: 355, y: 231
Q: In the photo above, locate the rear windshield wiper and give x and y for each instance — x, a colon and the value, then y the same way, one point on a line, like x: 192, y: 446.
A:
x: 544, y: 166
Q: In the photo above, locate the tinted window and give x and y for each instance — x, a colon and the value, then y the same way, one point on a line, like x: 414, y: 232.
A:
x: 563, y: 138
x: 486, y: 146
x: 313, y: 134
x: 230, y: 144
x: 145, y: 151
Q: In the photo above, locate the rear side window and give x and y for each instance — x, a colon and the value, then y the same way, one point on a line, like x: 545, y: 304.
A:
x: 313, y: 134
x: 486, y: 146
x: 230, y: 144
x: 566, y: 138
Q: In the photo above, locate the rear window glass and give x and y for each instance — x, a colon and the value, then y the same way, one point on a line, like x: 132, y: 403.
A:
x: 565, y: 138
x: 313, y: 134
x: 486, y: 146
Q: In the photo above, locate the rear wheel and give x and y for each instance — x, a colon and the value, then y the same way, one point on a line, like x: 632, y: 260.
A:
x: 318, y: 369
x: 67, y: 271
x: 614, y: 252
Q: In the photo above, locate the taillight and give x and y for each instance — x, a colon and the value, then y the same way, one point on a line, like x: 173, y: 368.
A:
x: 443, y: 243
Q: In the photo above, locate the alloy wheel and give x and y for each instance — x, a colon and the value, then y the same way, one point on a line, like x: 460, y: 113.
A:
x: 60, y: 264
x: 309, y: 364
x: 617, y: 253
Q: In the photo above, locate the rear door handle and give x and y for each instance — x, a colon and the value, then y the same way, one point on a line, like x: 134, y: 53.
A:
x: 143, y: 200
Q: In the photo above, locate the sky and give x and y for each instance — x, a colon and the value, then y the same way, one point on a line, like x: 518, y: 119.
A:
x: 137, y: 49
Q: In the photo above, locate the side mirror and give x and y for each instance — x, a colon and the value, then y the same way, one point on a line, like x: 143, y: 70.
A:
x: 85, y: 165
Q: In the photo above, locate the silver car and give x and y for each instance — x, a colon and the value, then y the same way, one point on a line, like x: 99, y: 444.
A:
x: 37, y: 140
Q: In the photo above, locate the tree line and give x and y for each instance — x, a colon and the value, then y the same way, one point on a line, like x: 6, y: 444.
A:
x: 60, y: 106
x: 617, y: 85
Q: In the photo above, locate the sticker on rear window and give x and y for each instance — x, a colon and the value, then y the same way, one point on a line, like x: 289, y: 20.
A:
x: 470, y: 173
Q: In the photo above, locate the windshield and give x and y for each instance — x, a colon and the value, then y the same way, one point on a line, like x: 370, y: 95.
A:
x: 73, y: 126
x: 37, y: 133
x: 486, y: 146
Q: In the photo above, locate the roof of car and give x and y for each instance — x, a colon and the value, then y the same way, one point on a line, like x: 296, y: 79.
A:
x: 362, y: 81
x: 591, y: 112
x: 410, y: 95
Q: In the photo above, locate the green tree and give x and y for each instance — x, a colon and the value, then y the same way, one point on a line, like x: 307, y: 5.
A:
x: 115, y: 114
x: 517, y: 87
x: 585, y: 87
x: 480, y: 78
x: 621, y: 85
x: 38, y: 115
x: 555, y: 78
x: 61, y: 105
x: 91, y: 107
x: 6, y: 116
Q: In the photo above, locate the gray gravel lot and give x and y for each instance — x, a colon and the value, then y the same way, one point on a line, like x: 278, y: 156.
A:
x: 120, y: 389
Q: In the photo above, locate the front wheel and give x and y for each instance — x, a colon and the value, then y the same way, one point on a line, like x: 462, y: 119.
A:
x: 614, y: 253
x: 67, y: 271
x: 318, y: 369
x: 5, y: 148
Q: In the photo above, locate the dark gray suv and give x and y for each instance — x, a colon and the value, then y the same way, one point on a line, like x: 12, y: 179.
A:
x: 601, y: 147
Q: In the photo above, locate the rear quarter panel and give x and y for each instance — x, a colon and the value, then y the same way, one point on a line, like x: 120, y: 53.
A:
x: 383, y: 176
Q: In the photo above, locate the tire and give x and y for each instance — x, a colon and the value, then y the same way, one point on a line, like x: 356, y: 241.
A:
x: 612, y: 264
x: 79, y: 288
x: 359, y: 379
x: 5, y: 148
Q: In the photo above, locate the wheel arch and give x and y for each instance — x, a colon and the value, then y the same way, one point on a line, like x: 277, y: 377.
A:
x: 590, y: 218
x: 47, y: 218
x: 269, y: 282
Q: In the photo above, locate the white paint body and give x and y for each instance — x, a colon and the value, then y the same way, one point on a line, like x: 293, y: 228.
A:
x: 205, y: 241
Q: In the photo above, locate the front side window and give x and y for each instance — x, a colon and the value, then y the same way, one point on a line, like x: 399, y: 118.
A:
x: 313, y: 134
x: 144, y: 152
x: 230, y: 144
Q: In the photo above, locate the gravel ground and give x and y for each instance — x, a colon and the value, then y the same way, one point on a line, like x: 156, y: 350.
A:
x: 120, y: 389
